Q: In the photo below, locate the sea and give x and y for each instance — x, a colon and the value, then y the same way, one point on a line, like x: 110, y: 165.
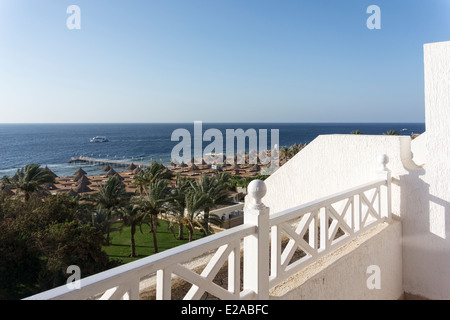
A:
x: 54, y: 145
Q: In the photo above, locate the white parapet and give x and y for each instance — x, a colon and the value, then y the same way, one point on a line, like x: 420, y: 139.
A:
x: 426, y: 223
x: 332, y: 163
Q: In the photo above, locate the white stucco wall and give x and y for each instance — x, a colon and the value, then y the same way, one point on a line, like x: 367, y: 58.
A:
x: 333, y: 163
x: 426, y: 218
x: 346, y: 273
x: 419, y: 149
x: 330, y: 164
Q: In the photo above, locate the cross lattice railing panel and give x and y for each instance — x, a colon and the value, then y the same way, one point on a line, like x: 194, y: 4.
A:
x: 203, y: 282
x: 302, y: 235
x: 123, y: 282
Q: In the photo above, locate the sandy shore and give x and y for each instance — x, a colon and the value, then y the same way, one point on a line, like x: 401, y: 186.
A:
x: 92, y: 183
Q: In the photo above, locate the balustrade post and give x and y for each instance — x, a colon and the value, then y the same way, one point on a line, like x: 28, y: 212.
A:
x: 385, y: 191
x: 256, y: 247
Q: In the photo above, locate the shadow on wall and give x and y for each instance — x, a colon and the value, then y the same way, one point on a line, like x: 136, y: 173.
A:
x: 425, y: 235
x: 427, y: 212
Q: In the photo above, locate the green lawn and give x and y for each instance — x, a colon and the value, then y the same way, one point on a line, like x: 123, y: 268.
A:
x: 120, y: 247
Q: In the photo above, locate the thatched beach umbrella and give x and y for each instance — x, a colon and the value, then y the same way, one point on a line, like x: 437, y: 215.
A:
x: 84, y: 180
x: 50, y: 171
x: 106, y: 168
x: 210, y: 159
x: 255, y: 168
x: 119, y: 176
x: 50, y: 186
x: 252, y: 156
x: 82, y: 187
x: 111, y: 172
x: 207, y: 165
x: 131, y: 167
x: 192, y: 166
x: 137, y: 170
x: 73, y: 193
x: 293, y: 147
x: 80, y: 170
x: 78, y: 176
x: 183, y: 165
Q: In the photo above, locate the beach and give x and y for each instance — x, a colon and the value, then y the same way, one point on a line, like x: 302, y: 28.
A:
x: 80, y: 183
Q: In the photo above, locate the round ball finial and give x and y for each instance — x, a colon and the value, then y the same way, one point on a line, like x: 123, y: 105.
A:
x: 383, y: 159
x: 257, y: 190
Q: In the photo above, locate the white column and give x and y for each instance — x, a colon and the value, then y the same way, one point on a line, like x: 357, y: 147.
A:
x: 256, y: 247
x: 163, y: 284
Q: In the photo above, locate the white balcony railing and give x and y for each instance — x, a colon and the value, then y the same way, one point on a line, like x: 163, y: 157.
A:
x: 297, y: 237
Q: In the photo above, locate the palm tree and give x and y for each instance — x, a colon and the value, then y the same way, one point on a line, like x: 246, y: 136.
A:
x: 111, y: 196
x: 391, y: 133
x: 224, y: 177
x: 103, y: 221
x: 153, y: 202
x: 284, y: 152
x: 31, y: 178
x: 233, y: 182
x: 293, y: 150
x: 140, y: 182
x: 132, y: 216
x: 356, y: 132
x: 195, y: 202
x: 177, y: 204
x: 5, y: 182
x: 156, y: 171
x: 214, y: 188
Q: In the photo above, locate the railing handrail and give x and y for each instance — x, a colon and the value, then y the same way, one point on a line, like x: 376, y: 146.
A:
x: 148, y: 265
x: 320, y: 227
x: 294, y: 212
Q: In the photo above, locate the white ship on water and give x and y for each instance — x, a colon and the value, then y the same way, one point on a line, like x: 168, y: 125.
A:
x: 99, y: 139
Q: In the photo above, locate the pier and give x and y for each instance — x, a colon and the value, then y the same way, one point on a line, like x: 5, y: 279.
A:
x: 121, y: 163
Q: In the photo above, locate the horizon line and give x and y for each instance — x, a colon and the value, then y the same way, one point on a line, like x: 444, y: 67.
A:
x: 223, y: 122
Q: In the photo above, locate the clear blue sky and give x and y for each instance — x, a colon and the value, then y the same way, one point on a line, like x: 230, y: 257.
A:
x: 216, y: 60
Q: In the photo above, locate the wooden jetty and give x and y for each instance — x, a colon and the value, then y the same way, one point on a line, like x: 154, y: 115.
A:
x: 121, y: 163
